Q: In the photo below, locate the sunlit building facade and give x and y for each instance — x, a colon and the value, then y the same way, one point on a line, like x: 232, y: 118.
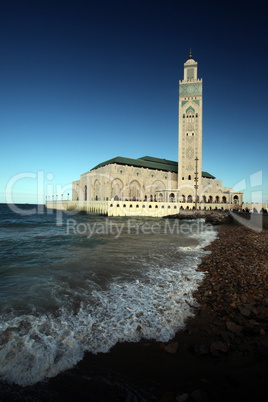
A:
x: 150, y: 179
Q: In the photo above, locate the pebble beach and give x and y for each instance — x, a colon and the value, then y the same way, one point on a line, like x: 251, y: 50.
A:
x: 221, y: 354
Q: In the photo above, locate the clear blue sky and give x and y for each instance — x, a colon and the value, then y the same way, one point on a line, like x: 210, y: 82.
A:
x: 85, y: 81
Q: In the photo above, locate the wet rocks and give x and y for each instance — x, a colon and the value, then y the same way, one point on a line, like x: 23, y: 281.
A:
x: 216, y: 217
x: 235, y: 289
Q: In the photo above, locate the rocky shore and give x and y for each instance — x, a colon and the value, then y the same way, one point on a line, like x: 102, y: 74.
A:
x: 221, y: 355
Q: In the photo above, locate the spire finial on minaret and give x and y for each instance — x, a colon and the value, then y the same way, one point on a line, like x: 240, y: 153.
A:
x: 190, y: 54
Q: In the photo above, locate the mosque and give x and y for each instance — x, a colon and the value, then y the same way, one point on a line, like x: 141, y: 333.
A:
x: 153, y: 186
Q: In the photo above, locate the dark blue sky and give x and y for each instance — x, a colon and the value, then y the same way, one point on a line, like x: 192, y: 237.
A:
x: 84, y: 81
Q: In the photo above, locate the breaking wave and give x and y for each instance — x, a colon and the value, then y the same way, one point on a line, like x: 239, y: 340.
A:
x: 153, y: 304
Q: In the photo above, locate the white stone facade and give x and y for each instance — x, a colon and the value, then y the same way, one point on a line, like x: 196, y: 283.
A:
x: 110, y: 183
x: 124, y: 183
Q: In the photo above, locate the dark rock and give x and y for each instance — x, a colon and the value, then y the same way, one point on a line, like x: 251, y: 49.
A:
x: 167, y: 397
x: 201, y: 349
x: 231, y: 326
x: 183, y: 397
x: 219, y: 346
x: 171, y: 347
x: 244, y: 311
x: 199, y: 396
x: 227, y: 336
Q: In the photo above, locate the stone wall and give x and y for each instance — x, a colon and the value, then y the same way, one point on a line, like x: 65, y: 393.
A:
x: 254, y: 206
x: 130, y: 208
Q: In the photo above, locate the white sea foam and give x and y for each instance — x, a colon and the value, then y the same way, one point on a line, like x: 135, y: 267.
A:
x: 155, y: 306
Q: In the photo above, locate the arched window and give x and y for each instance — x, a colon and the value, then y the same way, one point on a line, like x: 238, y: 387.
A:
x: 85, y: 193
x: 171, y: 197
x: 189, y: 177
x: 189, y: 198
x: 236, y: 199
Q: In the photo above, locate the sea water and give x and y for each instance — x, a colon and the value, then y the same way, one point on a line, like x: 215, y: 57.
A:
x: 71, y: 283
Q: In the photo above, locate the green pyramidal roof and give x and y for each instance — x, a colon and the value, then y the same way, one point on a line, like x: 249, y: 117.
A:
x: 148, y: 162
x: 158, y: 160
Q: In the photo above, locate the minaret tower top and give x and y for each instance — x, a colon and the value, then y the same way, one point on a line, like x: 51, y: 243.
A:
x: 190, y: 69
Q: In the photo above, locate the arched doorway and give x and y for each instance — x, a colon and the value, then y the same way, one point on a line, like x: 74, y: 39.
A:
x: 97, y: 190
x: 134, y: 190
x: 117, y: 189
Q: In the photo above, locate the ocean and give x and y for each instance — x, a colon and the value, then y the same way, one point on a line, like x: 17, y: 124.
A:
x: 73, y: 282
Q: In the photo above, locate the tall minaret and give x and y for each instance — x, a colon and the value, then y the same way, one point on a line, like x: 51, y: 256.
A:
x: 190, y: 131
